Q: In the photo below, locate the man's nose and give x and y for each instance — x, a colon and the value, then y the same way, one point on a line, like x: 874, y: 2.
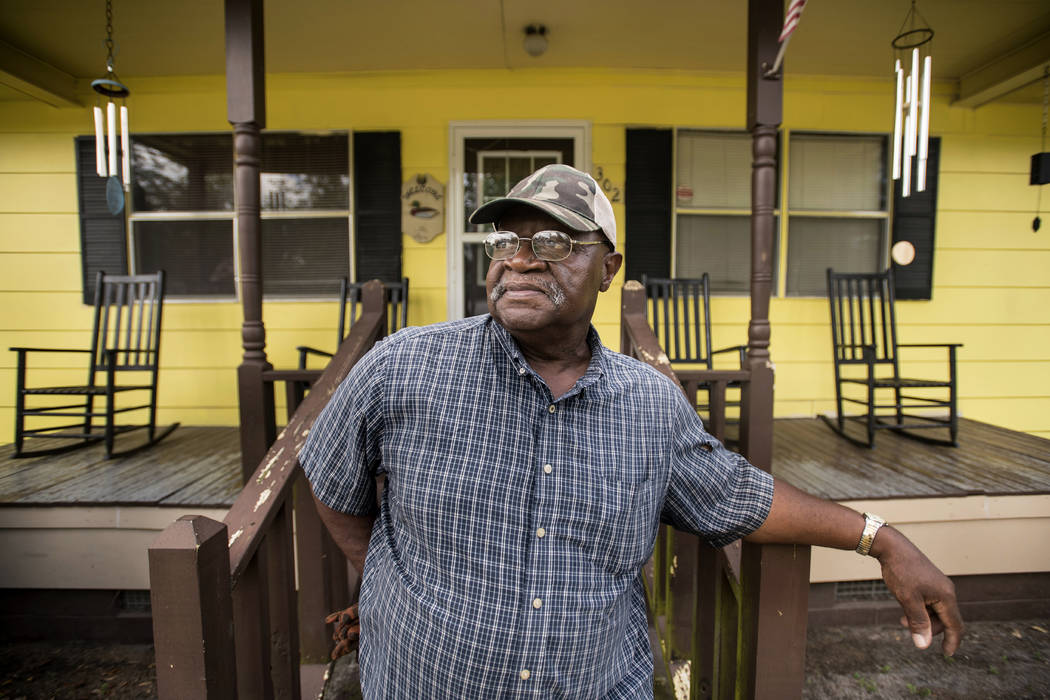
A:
x: 524, y: 258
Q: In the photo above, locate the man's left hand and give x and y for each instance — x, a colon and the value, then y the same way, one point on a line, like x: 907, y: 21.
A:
x: 347, y: 630
x: 926, y: 595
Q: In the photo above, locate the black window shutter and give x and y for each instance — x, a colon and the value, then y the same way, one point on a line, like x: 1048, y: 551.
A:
x: 103, y: 237
x: 647, y: 204
x: 377, y: 205
x: 915, y: 219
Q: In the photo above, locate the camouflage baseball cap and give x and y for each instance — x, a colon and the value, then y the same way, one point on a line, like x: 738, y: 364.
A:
x: 569, y: 195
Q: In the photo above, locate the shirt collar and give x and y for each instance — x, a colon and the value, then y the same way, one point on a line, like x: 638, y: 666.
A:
x: 595, y: 369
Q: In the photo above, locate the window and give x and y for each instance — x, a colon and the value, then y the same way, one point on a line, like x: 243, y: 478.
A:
x: 837, y: 208
x: 713, y: 208
x: 182, y: 212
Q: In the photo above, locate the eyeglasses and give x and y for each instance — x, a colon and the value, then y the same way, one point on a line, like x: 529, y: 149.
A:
x: 551, y: 246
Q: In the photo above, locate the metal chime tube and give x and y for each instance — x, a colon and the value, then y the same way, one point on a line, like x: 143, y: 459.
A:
x: 897, y: 120
x: 125, y: 149
x: 111, y: 132
x: 924, y: 131
x: 100, y: 145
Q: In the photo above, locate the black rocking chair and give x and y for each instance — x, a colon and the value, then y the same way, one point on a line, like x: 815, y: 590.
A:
x: 125, y: 343
x: 678, y: 311
x: 864, y: 335
x: 350, y: 299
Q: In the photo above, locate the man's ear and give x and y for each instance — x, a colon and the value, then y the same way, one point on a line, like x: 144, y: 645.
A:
x: 611, y: 265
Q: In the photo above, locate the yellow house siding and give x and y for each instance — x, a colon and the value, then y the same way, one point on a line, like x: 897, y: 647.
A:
x: 991, y: 284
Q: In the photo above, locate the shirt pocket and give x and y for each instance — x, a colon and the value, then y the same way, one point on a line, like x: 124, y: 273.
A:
x: 613, y: 522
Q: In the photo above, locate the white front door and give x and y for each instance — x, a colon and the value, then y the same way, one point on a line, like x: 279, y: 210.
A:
x: 487, y: 160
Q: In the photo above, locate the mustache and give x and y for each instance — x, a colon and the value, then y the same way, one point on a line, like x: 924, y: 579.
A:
x: 551, y: 289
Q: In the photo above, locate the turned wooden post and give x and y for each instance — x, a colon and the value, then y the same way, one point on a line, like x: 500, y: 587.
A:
x: 246, y: 111
x: 775, y: 578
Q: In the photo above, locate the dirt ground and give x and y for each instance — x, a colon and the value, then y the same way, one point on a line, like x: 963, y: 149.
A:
x: 997, y: 660
x: 72, y: 671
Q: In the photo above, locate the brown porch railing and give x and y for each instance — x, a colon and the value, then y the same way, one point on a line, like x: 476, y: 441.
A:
x: 701, y: 610
x: 226, y: 614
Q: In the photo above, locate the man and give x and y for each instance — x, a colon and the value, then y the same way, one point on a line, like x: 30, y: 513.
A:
x: 527, y: 472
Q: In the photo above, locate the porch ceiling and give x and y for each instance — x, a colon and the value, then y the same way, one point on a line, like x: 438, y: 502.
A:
x: 63, y: 38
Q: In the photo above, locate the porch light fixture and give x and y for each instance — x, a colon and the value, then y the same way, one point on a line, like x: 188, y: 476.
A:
x: 110, y: 88
x: 911, y: 115
x: 535, y: 40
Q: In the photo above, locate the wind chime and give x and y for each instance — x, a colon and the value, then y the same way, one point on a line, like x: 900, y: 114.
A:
x: 911, y: 116
x: 106, y: 152
x: 1040, y: 174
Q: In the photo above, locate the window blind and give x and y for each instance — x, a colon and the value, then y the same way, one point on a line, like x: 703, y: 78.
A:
x: 837, y: 173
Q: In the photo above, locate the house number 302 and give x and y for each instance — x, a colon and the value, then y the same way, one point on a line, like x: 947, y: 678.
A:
x: 610, y: 190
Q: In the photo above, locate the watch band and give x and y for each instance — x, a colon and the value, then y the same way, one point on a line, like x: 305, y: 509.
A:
x: 872, y: 523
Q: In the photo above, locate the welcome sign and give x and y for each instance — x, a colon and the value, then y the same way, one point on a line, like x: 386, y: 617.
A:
x: 422, y: 208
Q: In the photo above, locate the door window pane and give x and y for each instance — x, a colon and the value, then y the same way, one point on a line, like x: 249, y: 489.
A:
x: 491, y: 166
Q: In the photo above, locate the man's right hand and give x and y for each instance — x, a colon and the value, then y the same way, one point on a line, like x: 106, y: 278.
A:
x: 925, y: 594
x: 347, y: 630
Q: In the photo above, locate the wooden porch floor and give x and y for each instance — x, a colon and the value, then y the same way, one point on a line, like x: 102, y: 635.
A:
x: 194, y: 466
x: 200, y: 466
x: 989, y: 461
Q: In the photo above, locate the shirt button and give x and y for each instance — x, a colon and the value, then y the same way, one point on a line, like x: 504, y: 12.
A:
x: 541, y: 532
x: 547, y: 469
x: 524, y: 674
x: 521, y: 371
x: 537, y: 603
x: 552, y: 408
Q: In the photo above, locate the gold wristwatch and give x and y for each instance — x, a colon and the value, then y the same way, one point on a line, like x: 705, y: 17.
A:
x: 872, y: 523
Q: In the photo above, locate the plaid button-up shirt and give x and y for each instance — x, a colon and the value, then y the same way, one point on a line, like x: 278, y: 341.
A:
x: 505, y: 556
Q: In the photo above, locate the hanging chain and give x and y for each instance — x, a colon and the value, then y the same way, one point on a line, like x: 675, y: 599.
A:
x: 1046, y: 100
x: 109, y: 35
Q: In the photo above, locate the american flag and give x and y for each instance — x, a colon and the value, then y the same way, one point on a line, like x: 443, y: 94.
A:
x: 794, y: 12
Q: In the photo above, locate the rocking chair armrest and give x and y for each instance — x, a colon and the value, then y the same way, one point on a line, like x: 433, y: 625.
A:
x: 305, y: 350
x: 929, y: 345
x: 22, y: 349
x: 950, y: 347
x: 741, y: 349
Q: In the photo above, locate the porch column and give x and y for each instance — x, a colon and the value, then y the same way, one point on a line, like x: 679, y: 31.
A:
x: 775, y: 578
x: 246, y: 111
